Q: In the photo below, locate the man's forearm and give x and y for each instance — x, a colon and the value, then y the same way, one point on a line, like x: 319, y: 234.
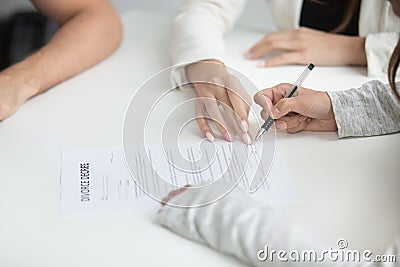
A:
x: 83, y: 40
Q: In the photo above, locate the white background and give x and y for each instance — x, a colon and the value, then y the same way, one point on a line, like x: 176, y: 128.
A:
x: 256, y: 14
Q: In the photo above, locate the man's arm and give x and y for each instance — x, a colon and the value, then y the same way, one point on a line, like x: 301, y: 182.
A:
x: 90, y: 31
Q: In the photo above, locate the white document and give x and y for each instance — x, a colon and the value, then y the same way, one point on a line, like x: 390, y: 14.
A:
x: 98, y: 181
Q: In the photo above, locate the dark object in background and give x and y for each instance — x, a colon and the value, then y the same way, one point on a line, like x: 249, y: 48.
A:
x: 23, y: 34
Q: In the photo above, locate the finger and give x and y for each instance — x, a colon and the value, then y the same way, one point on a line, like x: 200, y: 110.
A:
x: 286, y: 58
x: 215, y: 114
x: 233, y: 118
x: 230, y: 116
x: 201, y: 119
x: 240, y: 100
x: 272, y: 42
x: 225, y: 108
x: 299, y: 127
x: 263, y: 101
x: 275, y: 94
x: 212, y: 104
x: 287, y: 105
x: 228, y: 113
x: 292, y: 121
x: 264, y: 114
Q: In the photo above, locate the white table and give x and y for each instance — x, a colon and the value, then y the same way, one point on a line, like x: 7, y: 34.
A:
x: 349, y: 188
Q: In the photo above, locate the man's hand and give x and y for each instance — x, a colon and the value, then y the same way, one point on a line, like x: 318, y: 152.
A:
x: 305, y: 45
x: 307, y: 110
x: 223, y: 97
x: 9, y: 100
x: 14, y: 91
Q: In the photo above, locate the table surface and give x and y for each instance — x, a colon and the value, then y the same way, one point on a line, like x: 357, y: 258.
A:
x: 348, y: 188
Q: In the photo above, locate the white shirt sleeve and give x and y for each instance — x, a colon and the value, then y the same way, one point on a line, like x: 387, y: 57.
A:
x: 379, y: 48
x: 199, y: 26
x: 380, y: 26
x: 239, y: 226
x: 198, y: 31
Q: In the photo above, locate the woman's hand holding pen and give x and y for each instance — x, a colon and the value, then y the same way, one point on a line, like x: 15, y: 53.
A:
x: 305, y: 45
x: 307, y: 110
x: 223, y: 98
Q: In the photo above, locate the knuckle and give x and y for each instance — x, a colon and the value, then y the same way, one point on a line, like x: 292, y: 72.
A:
x: 259, y: 99
x: 286, y: 85
x: 273, y: 43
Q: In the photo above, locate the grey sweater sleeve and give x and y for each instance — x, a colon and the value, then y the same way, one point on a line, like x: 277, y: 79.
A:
x: 372, y: 109
x: 236, y: 224
x: 239, y: 226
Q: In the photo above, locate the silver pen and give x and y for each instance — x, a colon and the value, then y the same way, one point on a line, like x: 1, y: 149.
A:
x: 268, y: 123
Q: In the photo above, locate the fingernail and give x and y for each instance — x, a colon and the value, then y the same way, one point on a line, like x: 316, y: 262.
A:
x: 228, y: 137
x: 243, y: 126
x: 210, y: 137
x: 302, y: 119
x: 247, y: 139
x: 248, y: 55
x: 262, y: 64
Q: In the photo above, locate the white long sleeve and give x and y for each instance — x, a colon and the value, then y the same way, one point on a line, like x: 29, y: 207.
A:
x: 379, y: 48
x: 239, y: 226
x: 199, y: 27
x: 381, y: 27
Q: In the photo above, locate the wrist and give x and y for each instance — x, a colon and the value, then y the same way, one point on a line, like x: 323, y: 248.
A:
x: 205, y: 70
x: 213, y: 60
x: 23, y: 79
x: 355, y: 47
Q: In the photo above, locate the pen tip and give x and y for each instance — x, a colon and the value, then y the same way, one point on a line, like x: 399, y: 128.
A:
x: 311, y: 66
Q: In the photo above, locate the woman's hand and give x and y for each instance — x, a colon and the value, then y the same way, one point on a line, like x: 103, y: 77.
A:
x: 305, y: 45
x: 307, y: 110
x: 223, y: 97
